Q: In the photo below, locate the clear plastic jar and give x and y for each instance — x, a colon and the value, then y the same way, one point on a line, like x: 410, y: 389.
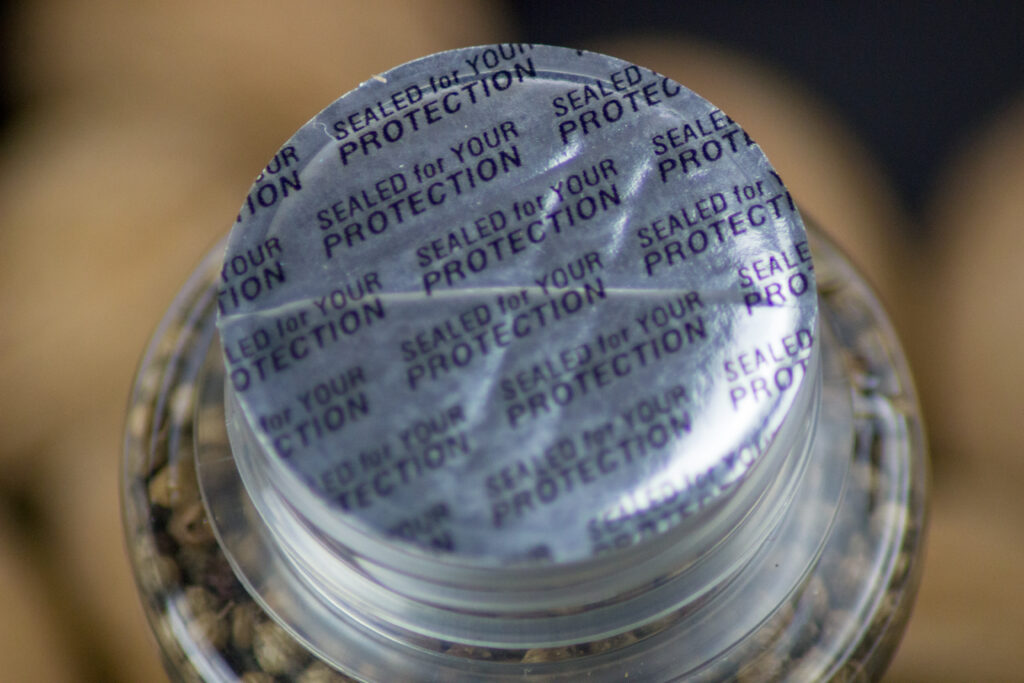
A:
x: 800, y: 565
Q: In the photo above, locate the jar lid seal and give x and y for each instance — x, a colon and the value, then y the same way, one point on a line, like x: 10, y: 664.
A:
x: 515, y: 304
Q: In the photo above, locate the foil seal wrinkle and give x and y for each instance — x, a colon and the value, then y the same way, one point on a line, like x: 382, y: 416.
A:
x: 544, y: 311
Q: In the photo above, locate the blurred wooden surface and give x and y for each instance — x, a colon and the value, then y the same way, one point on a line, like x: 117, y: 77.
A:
x: 145, y: 123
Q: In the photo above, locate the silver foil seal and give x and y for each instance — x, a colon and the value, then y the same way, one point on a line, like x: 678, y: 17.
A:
x: 516, y: 303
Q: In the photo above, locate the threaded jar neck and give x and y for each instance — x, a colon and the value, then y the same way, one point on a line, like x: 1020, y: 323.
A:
x: 527, y: 382
x: 418, y: 595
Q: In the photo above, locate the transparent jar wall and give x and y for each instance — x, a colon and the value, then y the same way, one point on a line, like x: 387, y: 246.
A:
x: 842, y: 621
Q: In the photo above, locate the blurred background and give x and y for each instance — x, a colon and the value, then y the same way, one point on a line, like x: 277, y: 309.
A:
x: 130, y: 132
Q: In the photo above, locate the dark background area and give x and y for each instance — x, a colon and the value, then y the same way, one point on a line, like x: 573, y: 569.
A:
x: 912, y: 79
x: 8, y: 96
